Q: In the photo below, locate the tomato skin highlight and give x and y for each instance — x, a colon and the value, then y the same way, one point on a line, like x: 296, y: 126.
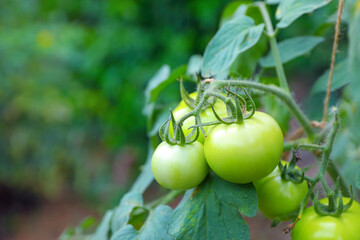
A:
x: 278, y: 197
x: 312, y: 226
x: 206, y: 116
x: 244, y: 152
x: 179, y: 167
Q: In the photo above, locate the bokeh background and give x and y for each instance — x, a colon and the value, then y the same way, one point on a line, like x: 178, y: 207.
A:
x: 72, y: 77
x: 72, y: 80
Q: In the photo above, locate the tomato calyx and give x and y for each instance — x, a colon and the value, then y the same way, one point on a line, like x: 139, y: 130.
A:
x: 179, y: 138
x: 190, y: 101
x: 336, y: 206
x: 241, y: 107
x: 185, y: 96
x: 235, y: 104
x: 289, y: 172
x: 236, y: 113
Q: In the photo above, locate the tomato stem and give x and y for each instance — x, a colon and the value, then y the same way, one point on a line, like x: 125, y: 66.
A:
x: 329, y: 145
x: 306, y: 199
x: 280, y: 93
x: 274, y: 47
x: 196, y: 110
x: 308, y: 146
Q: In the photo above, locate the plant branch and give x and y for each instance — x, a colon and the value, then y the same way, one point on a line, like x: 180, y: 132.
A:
x: 328, y: 147
x: 306, y: 199
x: 334, y: 49
x: 274, y: 47
x: 309, y: 146
x: 280, y: 93
x: 196, y: 110
x: 167, y: 198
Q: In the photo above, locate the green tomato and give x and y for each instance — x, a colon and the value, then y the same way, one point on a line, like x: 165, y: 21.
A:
x: 247, y: 151
x: 206, y: 116
x: 179, y: 167
x: 312, y: 226
x: 278, y: 197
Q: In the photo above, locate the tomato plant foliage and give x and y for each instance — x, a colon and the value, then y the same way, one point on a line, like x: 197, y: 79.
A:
x: 234, y: 37
x: 214, y: 209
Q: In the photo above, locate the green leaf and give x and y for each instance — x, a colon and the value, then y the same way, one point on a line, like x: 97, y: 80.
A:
x: 122, y: 213
x: 194, y: 66
x: 351, y: 8
x: 138, y: 217
x: 234, y: 37
x: 272, y: 2
x: 292, y: 48
x: 354, y: 53
x: 341, y: 77
x: 87, y: 223
x: 246, y: 62
x: 125, y: 233
x: 234, y: 9
x: 212, y: 211
x: 146, y: 176
x: 103, y: 229
x: 161, y: 80
x: 161, y: 116
x: 154, y: 227
x: 278, y: 110
x: 350, y: 169
x: 67, y: 234
x: 152, y: 89
x: 241, y: 8
x: 290, y: 10
x: 81, y: 232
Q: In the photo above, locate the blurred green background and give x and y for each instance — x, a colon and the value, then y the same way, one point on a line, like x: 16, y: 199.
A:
x: 72, y: 77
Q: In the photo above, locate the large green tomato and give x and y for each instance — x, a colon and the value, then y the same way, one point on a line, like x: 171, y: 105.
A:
x: 278, y: 197
x: 312, y: 226
x: 206, y: 116
x: 179, y: 167
x: 244, y: 152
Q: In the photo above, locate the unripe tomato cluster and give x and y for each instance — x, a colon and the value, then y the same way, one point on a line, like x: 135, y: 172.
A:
x: 243, y: 153
x: 239, y: 152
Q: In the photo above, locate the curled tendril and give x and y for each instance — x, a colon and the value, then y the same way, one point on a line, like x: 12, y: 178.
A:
x: 252, y: 103
x: 163, y: 128
x: 336, y: 204
x: 217, y: 116
x: 240, y: 98
x: 178, y: 134
x: 243, y: 104
x: 189, y: 138
x: 167, y: 137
